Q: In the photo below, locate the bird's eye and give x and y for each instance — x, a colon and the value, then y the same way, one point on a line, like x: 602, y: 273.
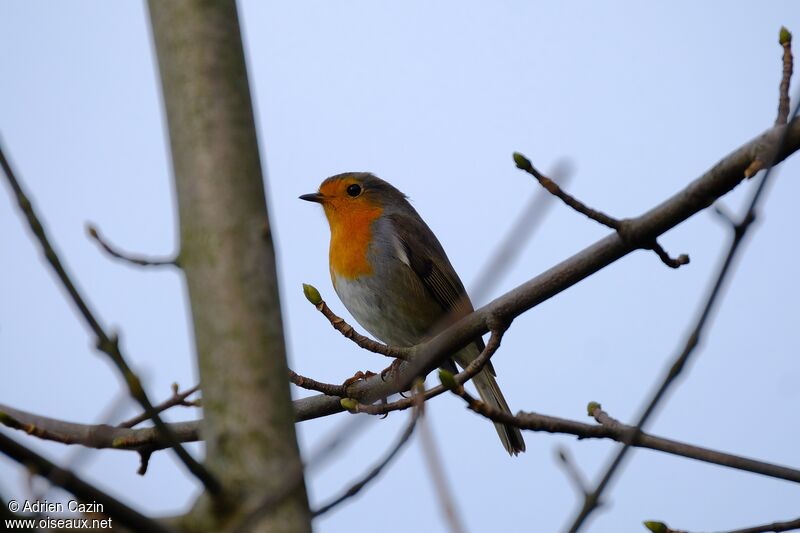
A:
x: 353, y: 190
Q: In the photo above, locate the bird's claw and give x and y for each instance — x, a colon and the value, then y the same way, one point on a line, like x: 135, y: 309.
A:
x: 384, y: 401
x: 358, y: 376
x: 391, y: 368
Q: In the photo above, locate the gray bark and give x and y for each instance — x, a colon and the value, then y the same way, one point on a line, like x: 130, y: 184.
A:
x: 227, y: 255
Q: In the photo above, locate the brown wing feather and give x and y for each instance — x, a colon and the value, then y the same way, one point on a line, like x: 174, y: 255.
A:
x: 427, y: 259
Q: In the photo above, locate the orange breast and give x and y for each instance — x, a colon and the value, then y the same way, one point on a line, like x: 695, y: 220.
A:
x: 351, y: 234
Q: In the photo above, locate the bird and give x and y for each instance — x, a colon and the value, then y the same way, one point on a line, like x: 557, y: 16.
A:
x: 393, y: 276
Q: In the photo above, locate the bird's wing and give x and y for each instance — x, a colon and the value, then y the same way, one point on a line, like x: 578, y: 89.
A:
x: 421, y: 251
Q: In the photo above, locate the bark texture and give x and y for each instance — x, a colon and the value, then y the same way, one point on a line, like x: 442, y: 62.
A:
x: 228, y: 258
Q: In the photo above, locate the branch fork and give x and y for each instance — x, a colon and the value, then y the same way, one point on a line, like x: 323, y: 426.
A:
x: 624, y: 228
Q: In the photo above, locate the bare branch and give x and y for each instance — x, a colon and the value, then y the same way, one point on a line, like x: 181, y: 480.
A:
x: 661, y: 527
x: 178, y: 398
x: 506, y: 252
x: 103, y: 436
x: 100, y: 436
x: 523, y: 163
x: 775, y: 526
x: 722, y: 212
x: 572, y: 471
x: 356, y: 487
x: 662, y: 254
x: 105, y: 342
x: 620, y: 226
x: 80, y: 488
x: 294, y: 476
x: 691, y: 343
x: 311, y: 384
x: 137, y: 260
x: 434, y: 463
x: 628, y: 435
x: 718, y: 181
x: 475, y: 366
x: 696, y: 196
x: 340, y: 325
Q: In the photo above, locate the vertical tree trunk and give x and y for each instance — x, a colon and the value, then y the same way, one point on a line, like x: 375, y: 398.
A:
x: 229, y: 262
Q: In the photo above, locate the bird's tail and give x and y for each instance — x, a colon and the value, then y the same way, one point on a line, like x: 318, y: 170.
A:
x: 490, y: 393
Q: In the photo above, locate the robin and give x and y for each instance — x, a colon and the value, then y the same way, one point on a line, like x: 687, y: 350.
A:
x: 393, y: 276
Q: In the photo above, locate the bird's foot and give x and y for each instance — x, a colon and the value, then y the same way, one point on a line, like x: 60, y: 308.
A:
x: 391, y: 369
x: 358, y: 376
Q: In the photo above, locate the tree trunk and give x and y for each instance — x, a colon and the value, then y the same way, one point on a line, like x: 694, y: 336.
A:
x: 229, y: 262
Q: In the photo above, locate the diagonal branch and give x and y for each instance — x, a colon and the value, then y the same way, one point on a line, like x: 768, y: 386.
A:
x: 348, y: 331
x: 373, y: 472
x: 311, y: 384
x: 475, y: 366
x: 80, y: 488
x: 177, y: 398
x: 574, y: 475
x: 507, y: 251
x: 105, y: 342
x: 696, y: 196
x: 133, y: 259
x: 434, y: 464
x: 692, y: 342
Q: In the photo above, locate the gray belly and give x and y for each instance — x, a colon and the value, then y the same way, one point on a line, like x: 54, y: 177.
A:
x: 399, y: 313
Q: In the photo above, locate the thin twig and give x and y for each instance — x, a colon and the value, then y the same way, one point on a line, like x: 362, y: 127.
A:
x: 295, y: 476
x: 137, y: 260
x: 177, y: 398
x: 777, y: 527
x: 523, y: 163
x: 312, y: 384
x: 356, y: 487
x: 626, y: 434
x: 340, y: 325
x: 785, y: 40
x: 79, y: 454
x: 105, y: 342
x: 766, y: 154
x: 620, y: 226
x: 691, y: 343
x: 433, y: 460
x: 328, y: 446
x: 507, y: 252
x: 722, y: 212
x: 572, y: 470
x: 662, y: 254
x: 475, y: 366
x: 774, y: 526
x: 70, y: 482
x: 384, y: 408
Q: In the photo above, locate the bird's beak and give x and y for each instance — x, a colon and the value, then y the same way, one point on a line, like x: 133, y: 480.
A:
x: 313, y: 197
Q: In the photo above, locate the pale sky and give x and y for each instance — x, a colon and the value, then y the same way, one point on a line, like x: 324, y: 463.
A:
x: 640, y: 98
